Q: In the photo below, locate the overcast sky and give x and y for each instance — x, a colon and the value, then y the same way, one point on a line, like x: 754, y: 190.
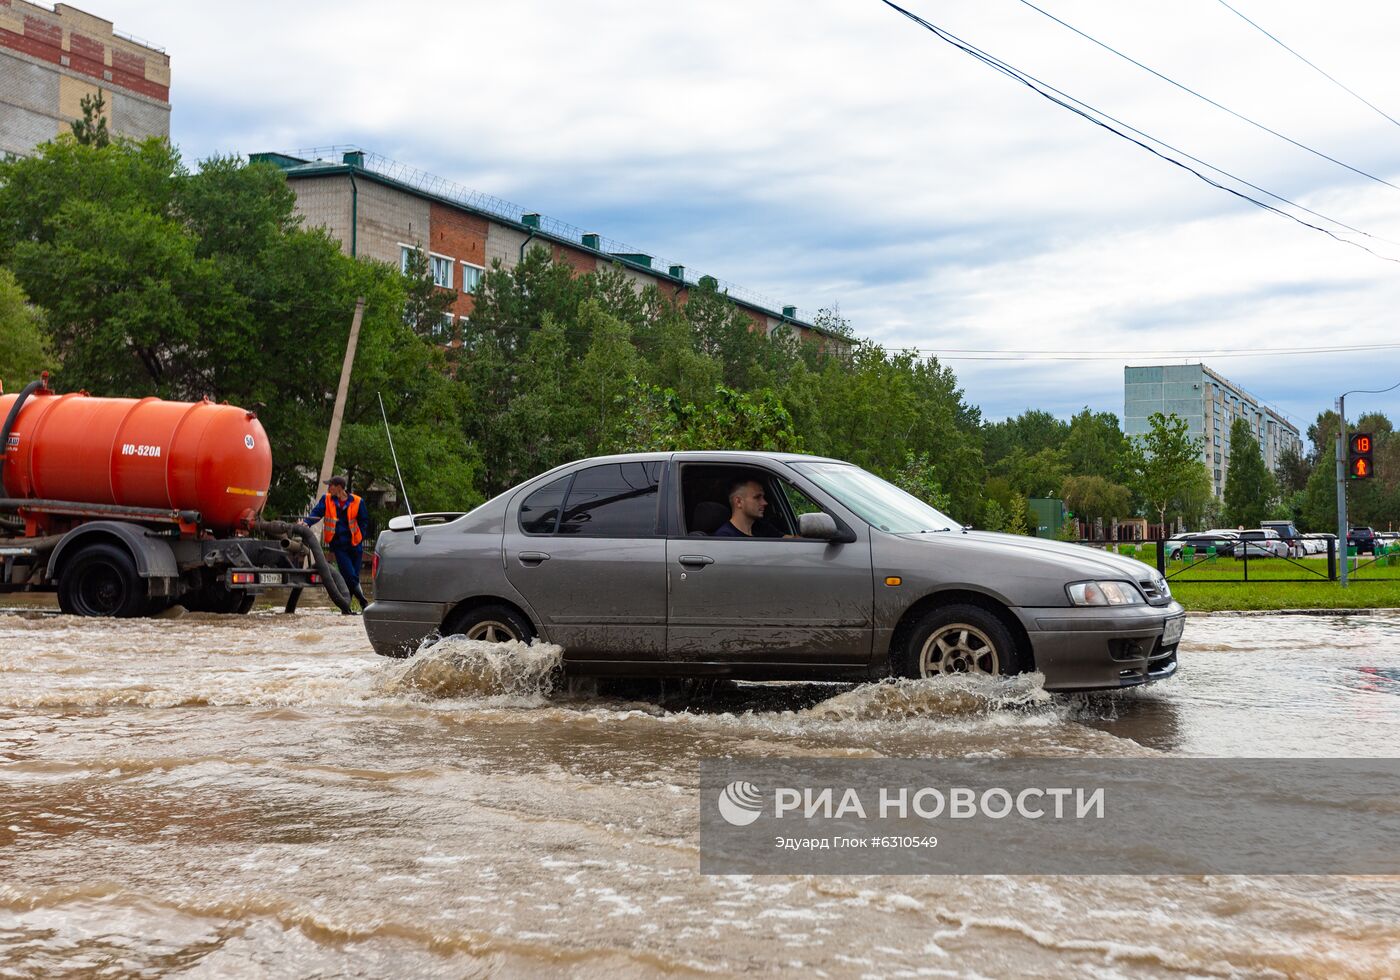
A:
x: 832, y: 153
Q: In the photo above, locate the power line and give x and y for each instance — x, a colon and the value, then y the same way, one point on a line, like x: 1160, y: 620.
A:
x: 1314, y: 67
x: 1087, y: 358
x: 1194, y: 352
x: 1209, y: 100
x: 1090, y: 113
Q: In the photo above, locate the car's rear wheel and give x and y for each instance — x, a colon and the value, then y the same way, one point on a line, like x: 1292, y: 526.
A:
x: 491, y: 624
x: 959, y: 639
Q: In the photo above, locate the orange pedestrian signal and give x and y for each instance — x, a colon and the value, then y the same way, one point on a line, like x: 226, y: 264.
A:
x: 1359, y: 463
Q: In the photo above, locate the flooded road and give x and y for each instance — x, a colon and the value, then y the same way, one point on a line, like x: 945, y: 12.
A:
x: 261, y: 795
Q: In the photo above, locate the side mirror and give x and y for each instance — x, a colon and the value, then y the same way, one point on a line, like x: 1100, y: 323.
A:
x: 818, y: 526
x: 401, y: 522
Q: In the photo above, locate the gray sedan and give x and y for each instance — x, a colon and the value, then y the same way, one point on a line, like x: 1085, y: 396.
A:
x: 616, y: 559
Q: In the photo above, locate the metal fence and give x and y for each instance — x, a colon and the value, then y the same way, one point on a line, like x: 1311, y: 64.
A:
x: 1179, y: 564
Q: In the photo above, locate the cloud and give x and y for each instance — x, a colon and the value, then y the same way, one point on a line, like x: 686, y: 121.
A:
x: 829, y: 152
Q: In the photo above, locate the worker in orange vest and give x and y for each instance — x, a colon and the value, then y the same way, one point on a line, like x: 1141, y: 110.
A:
x: 346, y: 522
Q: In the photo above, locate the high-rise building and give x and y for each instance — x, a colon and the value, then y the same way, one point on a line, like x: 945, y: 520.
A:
x: 386, y: 211
x: 51, y: 59
x: 1209, y: 404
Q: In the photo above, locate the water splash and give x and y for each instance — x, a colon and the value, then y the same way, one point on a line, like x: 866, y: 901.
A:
x: 959, y: 695
x: 454, y: 667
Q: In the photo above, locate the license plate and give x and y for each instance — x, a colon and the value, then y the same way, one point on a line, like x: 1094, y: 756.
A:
x: 1172, y: 633
x: 269, y: 578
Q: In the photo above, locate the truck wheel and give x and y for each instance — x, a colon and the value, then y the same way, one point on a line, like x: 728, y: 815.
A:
x: 101, y: 580
x: 493, y: 623
x: 958, y: 639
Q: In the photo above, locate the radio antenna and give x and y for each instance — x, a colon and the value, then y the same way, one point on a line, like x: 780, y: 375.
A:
x: 402, y: 489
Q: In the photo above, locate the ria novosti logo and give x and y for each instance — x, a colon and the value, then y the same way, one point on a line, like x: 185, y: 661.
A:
x: 740, y: 803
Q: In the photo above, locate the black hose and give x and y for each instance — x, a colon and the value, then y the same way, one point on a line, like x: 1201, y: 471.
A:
x: 29, y: 389
x: 330, y: 575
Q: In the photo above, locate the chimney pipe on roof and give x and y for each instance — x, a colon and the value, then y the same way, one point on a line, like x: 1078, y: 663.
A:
x: 593, y: 241
x: 790, y: 312
x: 677, y: 272
x: 354, y: 158
x: 530, y: 220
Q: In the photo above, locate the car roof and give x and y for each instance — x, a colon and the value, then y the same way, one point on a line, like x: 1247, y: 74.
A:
x: 706, y: 455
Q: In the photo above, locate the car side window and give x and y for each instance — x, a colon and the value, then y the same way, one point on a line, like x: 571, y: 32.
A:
x: 798, y: 501
x: 539, y: 514
x: 613, y: 500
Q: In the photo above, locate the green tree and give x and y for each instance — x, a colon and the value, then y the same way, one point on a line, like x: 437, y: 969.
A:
x: 1093, y: 497
x: 1164, y: 462
x: 659, y: 421
x: 1096, y: 446
x: 1031, y: 432
x: 1250, y: 489
x: 156, y: 281
x: 919, y: 477
x: 426, y: 304
x: 1293, y: 471
x: 91, y: 130
x: 24, y: 345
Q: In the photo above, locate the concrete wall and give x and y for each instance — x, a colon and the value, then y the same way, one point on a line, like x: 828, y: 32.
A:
x: 504, y: 243
x: 324, y: 202
x: 389, y: 218
x: 51, y: 59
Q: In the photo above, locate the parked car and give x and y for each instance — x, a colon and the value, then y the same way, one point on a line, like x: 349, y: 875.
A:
x: 1363, y: 539
x: 1201, y: 543
x: 1316, y: 544
x: 615, y: 559
x: 1261, y: 542
x: 1290, y: 534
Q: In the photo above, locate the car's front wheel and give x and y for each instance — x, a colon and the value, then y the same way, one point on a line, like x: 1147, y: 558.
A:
x: 959, y: 639
x: 491, y: 623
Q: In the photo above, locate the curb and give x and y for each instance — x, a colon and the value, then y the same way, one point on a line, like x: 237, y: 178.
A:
x: 1367, y: 611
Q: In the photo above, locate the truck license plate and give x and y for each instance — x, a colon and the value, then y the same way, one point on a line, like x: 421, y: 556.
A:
x: 1172, y: 633
x: 275, y: 578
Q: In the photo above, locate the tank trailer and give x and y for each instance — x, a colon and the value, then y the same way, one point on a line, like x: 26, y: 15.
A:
x: 126, y: 506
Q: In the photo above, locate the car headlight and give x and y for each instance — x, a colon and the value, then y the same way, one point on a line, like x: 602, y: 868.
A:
x: 1104, y: 594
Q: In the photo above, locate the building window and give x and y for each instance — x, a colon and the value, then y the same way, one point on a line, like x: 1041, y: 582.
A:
x: 471, y: 277
x: 442, y: 332
x: 1217, y: 457
x: 441, y: 268
x: 1217, y: 474
x: 406, y: 255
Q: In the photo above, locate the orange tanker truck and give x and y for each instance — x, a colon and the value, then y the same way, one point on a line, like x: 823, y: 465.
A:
x: 126, y: 506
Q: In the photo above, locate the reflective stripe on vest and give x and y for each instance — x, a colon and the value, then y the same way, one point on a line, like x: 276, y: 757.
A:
x: 352, y: 515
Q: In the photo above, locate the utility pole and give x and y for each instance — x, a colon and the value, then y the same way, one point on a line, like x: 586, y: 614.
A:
x: 1342, y: 484
x: 338, y: 413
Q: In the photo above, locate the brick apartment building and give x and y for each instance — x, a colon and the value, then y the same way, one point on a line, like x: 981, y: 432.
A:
x: 382, y: 210
x: 51, y: 59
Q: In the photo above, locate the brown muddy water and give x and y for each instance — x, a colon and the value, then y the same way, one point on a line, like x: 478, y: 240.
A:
x: 262, y: 796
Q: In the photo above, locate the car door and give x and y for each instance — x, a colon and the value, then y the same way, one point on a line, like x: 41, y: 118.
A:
x: 587, y: 553
x: 770, y: 600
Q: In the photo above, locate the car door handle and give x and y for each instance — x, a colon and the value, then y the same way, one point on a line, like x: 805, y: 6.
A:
x: 696, y: 561
x: 532, y: 557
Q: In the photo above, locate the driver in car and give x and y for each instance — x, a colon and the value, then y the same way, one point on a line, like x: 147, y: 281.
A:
x: 746, y: 506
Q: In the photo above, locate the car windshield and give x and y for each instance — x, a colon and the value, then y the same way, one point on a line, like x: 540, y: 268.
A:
x: 875, y: 501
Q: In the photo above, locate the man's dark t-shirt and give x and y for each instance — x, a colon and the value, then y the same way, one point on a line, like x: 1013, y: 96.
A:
x: 761, y: 529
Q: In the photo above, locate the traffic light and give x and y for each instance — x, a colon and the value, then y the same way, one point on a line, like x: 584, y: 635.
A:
x: 1359, y: 463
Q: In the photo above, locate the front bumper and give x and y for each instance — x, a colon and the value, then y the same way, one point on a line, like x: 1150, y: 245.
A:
x: 1096, y: 647
x: 397, y: 629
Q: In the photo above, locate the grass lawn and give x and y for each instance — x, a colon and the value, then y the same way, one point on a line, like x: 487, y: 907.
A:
x: 1217, y: 585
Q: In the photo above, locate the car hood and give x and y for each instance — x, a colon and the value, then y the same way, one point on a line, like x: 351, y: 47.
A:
x: 1074, y: 562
